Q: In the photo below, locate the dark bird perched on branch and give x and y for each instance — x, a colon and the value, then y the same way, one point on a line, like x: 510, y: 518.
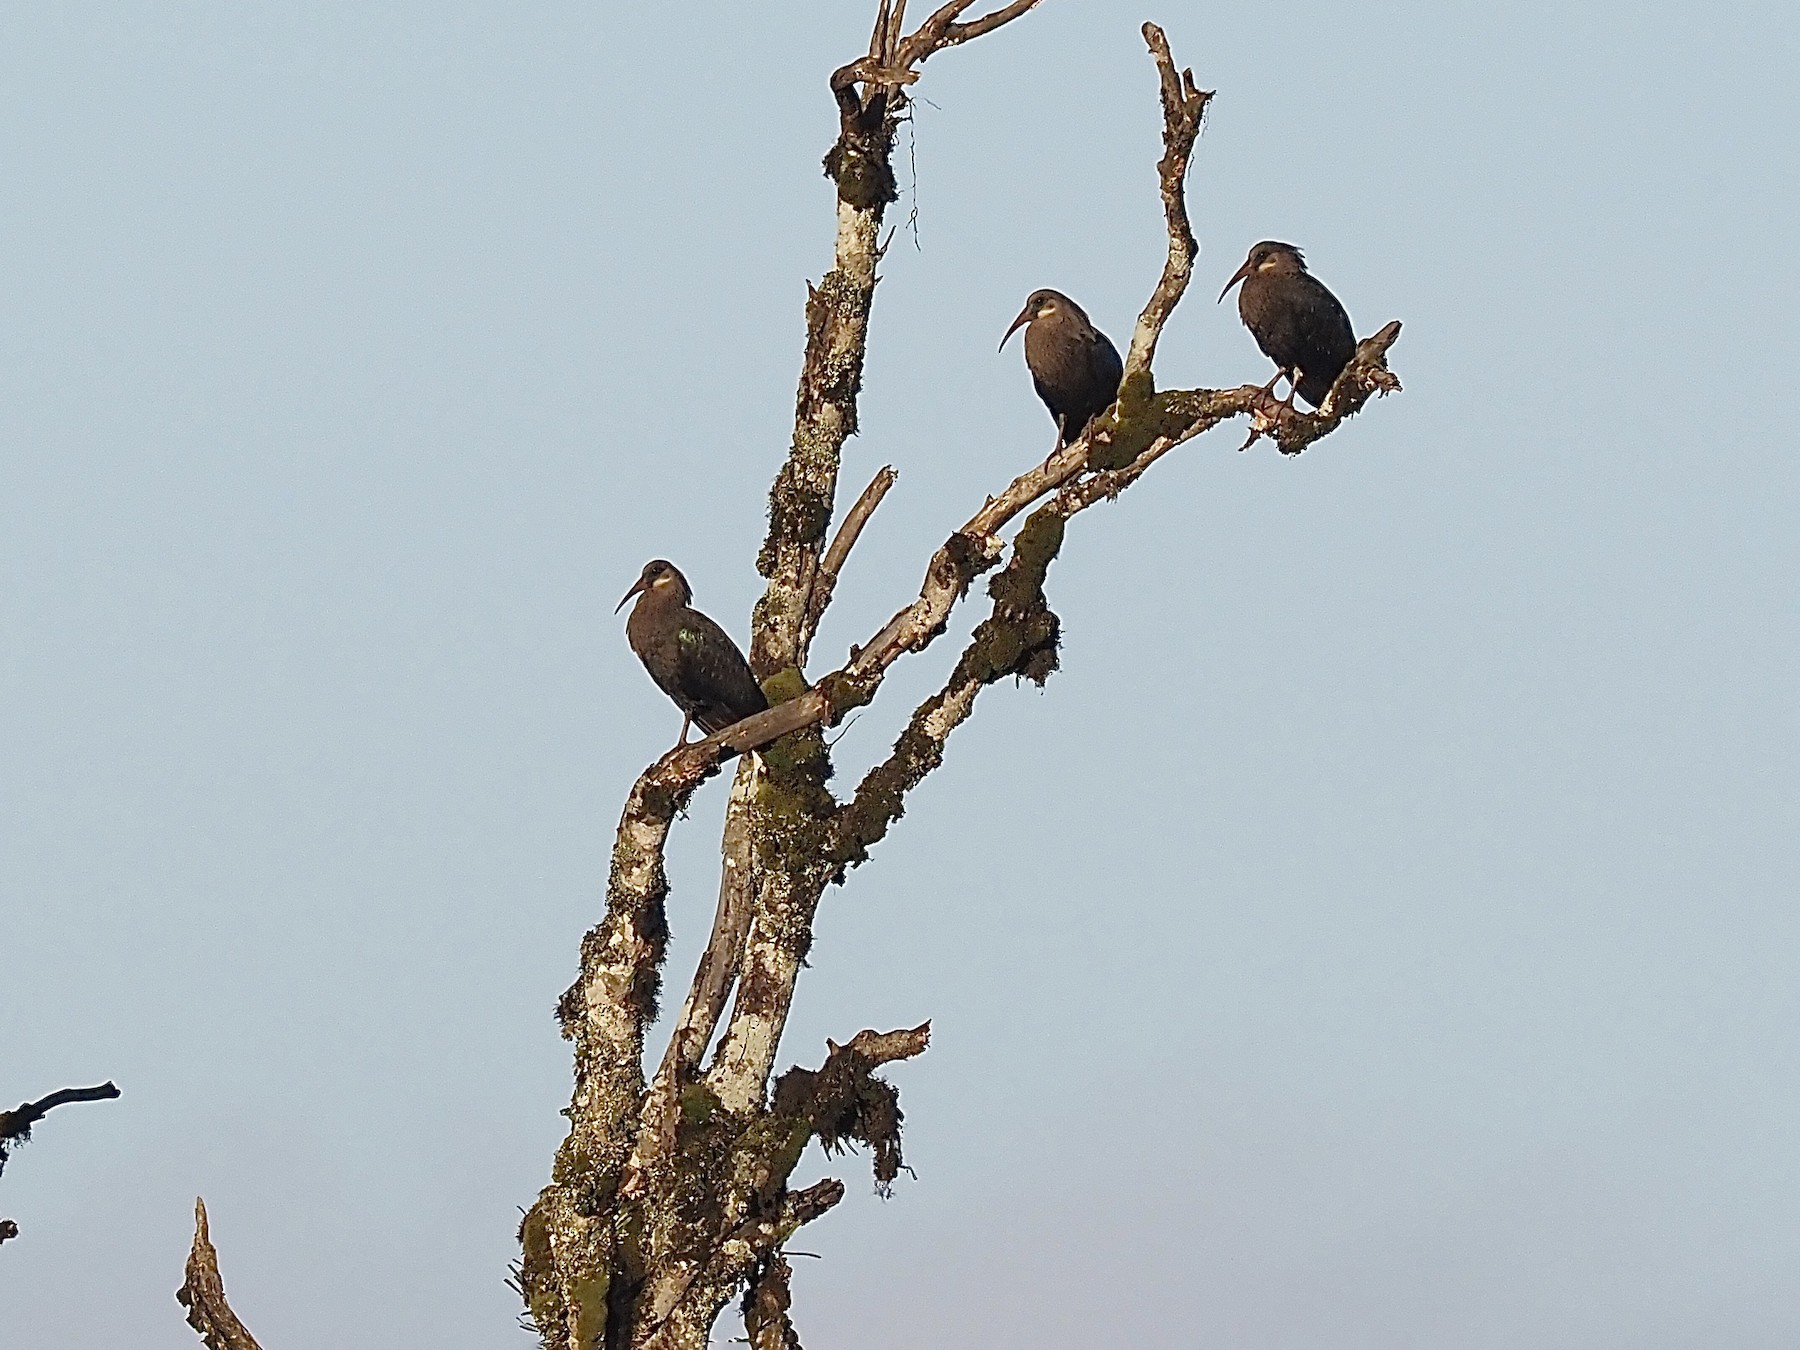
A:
x: 691, y: 658
x: 1074, y: 366
x: 1299, y: 325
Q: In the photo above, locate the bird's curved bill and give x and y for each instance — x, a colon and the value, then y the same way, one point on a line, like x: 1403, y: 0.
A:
x: 641, y: 585
x: 1236, y: 277
x: 1025, y: 317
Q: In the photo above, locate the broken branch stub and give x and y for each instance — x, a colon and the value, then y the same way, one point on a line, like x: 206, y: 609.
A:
x: 842, y: 1100
x: 203, y: 1294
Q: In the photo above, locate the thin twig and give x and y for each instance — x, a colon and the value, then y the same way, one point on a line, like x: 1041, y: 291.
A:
x: 825, y: 582
x: 930, y: 34
x: 964, y: 32
x: 942, y: 30
x: 852, y: 527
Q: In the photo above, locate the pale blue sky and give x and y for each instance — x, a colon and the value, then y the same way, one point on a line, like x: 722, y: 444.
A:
x: 1382, y: 934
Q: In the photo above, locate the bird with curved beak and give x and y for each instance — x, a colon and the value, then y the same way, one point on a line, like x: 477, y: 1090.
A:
x: 1299, y: 325
x: 691, y: 658
x: 1074, y: 366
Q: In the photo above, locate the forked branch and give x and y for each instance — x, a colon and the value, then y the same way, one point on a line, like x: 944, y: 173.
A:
x: 766, y: 1303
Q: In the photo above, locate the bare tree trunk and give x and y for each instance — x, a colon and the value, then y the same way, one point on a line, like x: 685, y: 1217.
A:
x: 670, y: 1196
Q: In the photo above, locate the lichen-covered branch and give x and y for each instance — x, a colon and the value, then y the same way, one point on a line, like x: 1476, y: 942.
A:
x: 844, y: 1101
x: 871, y: 99
x: 733, y: 1262
x: 718, y: 964
x: 793, y: 809
x: 605, y: 1012
x: 719, y: 1207
x: 1184, y: 113
x: 576, y: 1275
x: 666, y: 1197
x: 1018, y: 638
x: 712, y: 982
x: 766, y: 1304
x: 203, y: 1294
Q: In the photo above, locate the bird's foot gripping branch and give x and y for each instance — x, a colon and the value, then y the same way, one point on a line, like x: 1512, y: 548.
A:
x: 1365, y: 375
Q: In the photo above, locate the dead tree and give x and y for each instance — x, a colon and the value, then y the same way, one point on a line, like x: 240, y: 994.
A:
x: 670, y: 1197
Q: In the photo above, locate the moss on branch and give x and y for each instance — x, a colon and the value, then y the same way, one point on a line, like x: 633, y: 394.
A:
x: 1019, y: 638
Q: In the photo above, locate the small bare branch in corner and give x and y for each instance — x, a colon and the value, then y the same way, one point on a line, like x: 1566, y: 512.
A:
x: 1184, y: 113
x: 15, y: 1125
